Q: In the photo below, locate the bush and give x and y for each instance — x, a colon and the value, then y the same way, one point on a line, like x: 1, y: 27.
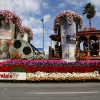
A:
x: 15, y: 55
x: 40, y: 56
x: 82, y: 56
x: 18, y: 69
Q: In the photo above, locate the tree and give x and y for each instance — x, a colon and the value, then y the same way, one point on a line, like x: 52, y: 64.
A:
x: 89, y: 11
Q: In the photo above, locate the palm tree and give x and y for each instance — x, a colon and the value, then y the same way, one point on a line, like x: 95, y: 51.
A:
x: 90, y: 12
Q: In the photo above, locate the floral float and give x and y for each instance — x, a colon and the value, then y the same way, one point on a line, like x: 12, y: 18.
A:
x: 27, y: 29
x: 89, y: 28
x: 11, y: 17
x: 70, y: 16
x: 54, y: 70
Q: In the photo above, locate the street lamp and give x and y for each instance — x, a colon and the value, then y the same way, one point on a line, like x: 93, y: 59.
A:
x: 43, y: 34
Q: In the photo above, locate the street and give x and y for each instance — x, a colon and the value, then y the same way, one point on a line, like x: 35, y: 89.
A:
x: 50, y: 91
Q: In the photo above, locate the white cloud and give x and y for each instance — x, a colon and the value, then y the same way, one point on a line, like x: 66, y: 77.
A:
x: 80, y: 3
x: 37, y: 30
x: 27, y: 7
x: 95, y: 2
x: 37, y: 42
x: 45, y: 5
x: 24, y: 6
x: 98, y: 14
x: 47, y: 18
x: 36, y: 24
x: 61, y: 5
x: 50, y: 31
x: 77, y: 3
x: 32, y: 22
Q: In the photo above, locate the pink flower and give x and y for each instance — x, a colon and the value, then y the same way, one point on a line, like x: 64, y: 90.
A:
x: 88, y: 28
x: 69, y: 15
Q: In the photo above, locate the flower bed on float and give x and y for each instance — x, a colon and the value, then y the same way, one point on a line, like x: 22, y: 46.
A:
x: 69, y: 16
x: 89, y: 28
x: 54, y: 70
x: 25, y: 28
x: 12, y: 17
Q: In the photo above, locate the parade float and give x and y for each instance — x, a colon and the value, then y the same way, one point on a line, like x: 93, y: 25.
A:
x: 87, y: 35
x: 66, y: 25
x: 24, y: 64
x: 13, y: 36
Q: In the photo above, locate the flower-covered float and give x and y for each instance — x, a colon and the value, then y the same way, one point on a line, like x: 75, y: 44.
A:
x: 14, y: 38
x: 51, y: 70
x: 89, y: 28
x: 66, y: 25
x: 70, y: 16
x: 12, y: 17
x: 38, y: 69
x: 89, y: 35
x: 28, y: 34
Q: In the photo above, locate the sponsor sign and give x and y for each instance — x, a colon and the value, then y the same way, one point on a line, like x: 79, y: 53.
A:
x: 12, y: 76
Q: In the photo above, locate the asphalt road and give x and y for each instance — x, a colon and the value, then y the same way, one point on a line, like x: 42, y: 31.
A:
x: 49, y: 91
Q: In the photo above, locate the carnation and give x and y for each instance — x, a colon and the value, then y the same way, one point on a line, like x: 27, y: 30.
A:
x: 69, y: 16
x: 89, y: 28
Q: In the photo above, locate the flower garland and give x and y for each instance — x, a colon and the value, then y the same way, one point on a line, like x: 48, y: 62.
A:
x: 54, y: 70
x: 43, y: 76
x: 48, y: 66
x: 82, y: 56
x: 25, y: 28
x: 89, y: 28
x: 69, y: 15
x: 10, y: 16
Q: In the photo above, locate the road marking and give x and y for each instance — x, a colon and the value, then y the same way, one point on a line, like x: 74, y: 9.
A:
x: 62, y: 92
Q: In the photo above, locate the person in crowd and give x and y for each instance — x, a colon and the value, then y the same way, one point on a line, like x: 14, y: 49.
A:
x: 95, y: 47
x: 85, y: 46
x: 91, y: 47
x: 81, y: 46
x: 56, y: 46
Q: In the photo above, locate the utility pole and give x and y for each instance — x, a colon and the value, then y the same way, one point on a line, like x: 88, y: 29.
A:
x: 43, y: 33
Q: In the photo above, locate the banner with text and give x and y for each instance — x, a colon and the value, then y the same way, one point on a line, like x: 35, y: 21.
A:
x: 12, y: 76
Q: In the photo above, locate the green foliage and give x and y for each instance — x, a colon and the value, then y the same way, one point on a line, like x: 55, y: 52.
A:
x: 15, y: 54
x: 89, y: 11
x: 18, y: 69
x: 36, y: 56
x: 98, y: 69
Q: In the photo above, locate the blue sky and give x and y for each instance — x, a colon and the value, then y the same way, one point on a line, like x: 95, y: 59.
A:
x: 32, y: 11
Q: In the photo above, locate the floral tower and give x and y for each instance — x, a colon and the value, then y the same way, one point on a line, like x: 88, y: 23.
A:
x: 66, y: 24
x: 14, y: 36
x: 28, y: 34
